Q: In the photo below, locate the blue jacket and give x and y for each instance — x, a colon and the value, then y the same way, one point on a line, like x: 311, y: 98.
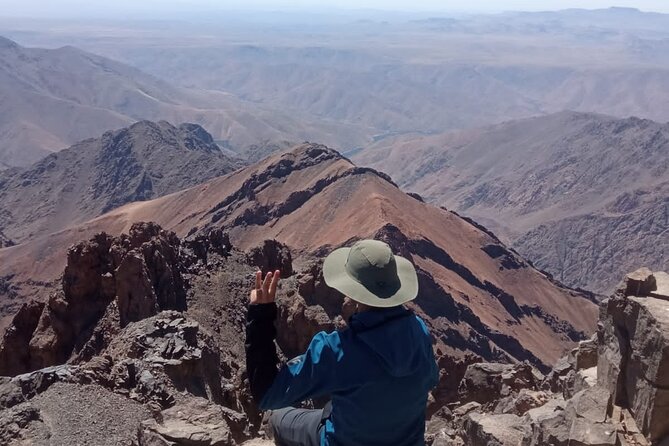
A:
x: 378, y: 373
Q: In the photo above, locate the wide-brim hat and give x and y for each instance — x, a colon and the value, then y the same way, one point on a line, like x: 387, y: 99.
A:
x: 369, y: 273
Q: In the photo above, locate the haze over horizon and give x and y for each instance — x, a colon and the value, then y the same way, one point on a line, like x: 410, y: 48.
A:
x: 80, y: 8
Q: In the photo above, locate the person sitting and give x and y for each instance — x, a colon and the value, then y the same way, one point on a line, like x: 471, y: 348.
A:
x: 377, y: 372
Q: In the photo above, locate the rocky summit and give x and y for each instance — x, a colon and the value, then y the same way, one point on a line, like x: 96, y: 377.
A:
x: 137, y: 330
x: 164, y: 364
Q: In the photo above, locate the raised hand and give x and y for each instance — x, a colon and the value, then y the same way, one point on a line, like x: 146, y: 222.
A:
x: 265, y: 290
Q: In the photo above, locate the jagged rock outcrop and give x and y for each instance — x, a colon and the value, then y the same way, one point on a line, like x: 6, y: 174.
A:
x: 188, y: 376
x: 14, y: 354
x: 113, y: 280
x: 609, y: 390
x: 634, y: 352
x: 272, y: 255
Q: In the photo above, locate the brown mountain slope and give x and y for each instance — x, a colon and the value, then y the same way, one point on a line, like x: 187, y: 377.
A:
x: 140, y: 162
x: 50, y: 99
x: 478, y: 296
x: 584, y: 195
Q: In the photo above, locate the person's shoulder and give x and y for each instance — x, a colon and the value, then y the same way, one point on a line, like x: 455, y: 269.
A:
x: 331, y: 339
x: 326, y: 343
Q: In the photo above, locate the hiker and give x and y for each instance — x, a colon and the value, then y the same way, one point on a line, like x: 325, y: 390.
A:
x: 377, y: 372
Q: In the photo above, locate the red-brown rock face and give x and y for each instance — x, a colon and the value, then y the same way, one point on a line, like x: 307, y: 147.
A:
x: 107, y: 283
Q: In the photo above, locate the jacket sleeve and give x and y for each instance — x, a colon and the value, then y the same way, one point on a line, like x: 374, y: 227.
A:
x: 261, y: 358
x: 309, y: 375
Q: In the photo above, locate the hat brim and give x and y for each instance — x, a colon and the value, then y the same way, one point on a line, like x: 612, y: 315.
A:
x: 336, y: 276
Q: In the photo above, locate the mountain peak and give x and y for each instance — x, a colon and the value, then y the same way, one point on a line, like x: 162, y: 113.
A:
x: 191, y: 137
x: 136, y: 163
x: 6, y: 43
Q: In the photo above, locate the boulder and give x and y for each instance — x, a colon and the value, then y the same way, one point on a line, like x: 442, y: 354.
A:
x: 463, y: 410
x: 10, y: 394
x: 272, y: 255
x: 298, y: 322
x: 486, y: 382
x: 586, y: 433
x: 494, y: 430
x: 591, y: 405
x: 34, y: 383
x: 638, y: 283
x: 14, y: 354
x: 441, y: 428
x: 193, y: 422
x: 579, y: 380
x: 585, y: 355
x: 547, y: 425
x: 521, y: 403
x: 23, y: 425
x: 167, y: 351
x: 555, y: 380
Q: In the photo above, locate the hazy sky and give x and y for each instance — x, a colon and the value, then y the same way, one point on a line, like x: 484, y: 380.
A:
x: 82, y: 7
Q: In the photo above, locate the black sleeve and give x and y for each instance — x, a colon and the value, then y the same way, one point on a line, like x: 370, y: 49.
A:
x: 261, y: 358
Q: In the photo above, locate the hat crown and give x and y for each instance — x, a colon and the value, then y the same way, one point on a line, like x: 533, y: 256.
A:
x: 372, y: 264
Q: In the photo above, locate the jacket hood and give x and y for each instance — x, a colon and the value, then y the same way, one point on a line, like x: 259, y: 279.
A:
x: 408, y: 351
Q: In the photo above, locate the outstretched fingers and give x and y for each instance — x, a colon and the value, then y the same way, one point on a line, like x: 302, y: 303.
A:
x: 275, y: 281
x: 258, y: 280
x: 266, y: 283
x: 265, y: 289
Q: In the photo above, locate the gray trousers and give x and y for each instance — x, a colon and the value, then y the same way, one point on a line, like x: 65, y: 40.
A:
x: 297, y: 427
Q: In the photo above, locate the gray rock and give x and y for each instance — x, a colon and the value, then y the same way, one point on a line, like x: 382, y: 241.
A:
x: 485, y: 382
x: 463, y: 410
x: 36, y: 382
x: 579, y: 380
x: 547, y: 425
x: 634, y: 359
x: 586, y: 354
x: 586, y: 433
x: 521, y: 403
x: 22, y: 425
x: 555, y: 379
x: 590, y: 404
x: 194, y: 422
x: 10, y: 394
x: 494, y: 430
x: 639, y: 283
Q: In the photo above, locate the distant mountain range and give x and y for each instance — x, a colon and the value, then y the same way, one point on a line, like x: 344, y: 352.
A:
x: 50, y: 99
x: 144, y: 161
x: 479, y: 297
x: 462, y: 72
x: 585, y: 196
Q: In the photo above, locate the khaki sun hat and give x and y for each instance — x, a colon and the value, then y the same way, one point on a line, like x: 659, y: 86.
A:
x: 369, y: 273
